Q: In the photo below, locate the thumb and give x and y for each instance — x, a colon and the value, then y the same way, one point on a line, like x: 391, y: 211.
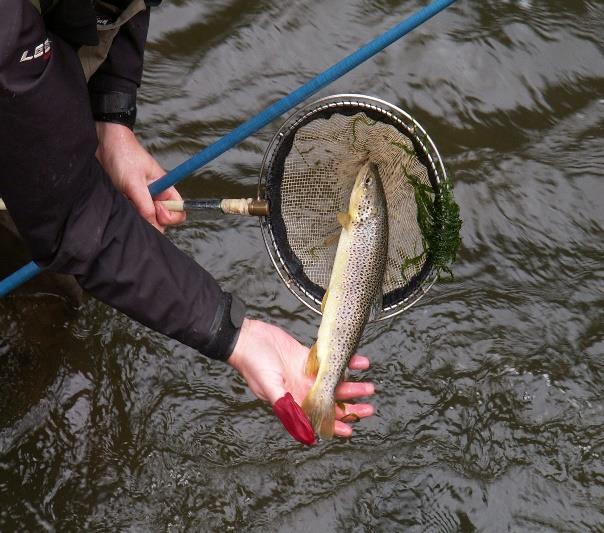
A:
x: 294, y: 420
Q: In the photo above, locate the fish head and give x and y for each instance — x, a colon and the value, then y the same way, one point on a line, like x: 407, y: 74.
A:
x: 367, y: 200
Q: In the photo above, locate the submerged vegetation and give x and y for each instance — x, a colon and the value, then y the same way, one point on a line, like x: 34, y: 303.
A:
x: 439, y: 223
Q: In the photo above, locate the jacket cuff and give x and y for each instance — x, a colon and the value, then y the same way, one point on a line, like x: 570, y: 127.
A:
x: 113, y: 106
x: 225, y: 328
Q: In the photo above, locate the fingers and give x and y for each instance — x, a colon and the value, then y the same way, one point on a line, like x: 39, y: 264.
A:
x: 298, y: 425
x: 358, y: 362
x: 165, y: 217
x: 131, y: 169
x: 349, y: 390
x: 351, y: 412
x: 342, y: 429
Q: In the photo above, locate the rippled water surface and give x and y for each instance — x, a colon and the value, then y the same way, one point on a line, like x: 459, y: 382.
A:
x: 490, y: 408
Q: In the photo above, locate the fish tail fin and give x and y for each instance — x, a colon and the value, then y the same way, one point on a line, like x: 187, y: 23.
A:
x: 321, y: 410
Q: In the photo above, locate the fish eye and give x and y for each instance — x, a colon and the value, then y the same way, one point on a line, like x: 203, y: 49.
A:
x: 367, y: 181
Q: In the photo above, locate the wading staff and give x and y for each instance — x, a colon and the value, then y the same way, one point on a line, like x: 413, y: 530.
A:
x: 274, y: 111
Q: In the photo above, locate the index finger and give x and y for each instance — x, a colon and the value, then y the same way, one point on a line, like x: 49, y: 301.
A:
x: 359, y: 362
x: 348, y: 390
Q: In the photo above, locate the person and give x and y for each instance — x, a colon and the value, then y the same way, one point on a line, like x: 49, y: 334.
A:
x: 74, y: 178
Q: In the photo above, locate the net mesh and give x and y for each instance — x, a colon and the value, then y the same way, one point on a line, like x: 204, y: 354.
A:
x: 318, y: 175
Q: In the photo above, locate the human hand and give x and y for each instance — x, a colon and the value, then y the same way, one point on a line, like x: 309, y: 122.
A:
x: 131, y: 169
x: 272, y: 362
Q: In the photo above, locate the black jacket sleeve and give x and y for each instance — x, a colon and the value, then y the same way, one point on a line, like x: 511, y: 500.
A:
x: 113, y: 87
x: 67, y: 210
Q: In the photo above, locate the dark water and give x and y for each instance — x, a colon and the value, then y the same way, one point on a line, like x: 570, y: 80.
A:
x: 490, y: 403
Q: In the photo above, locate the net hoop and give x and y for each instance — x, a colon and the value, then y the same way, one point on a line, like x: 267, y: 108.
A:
x: 347, y: 102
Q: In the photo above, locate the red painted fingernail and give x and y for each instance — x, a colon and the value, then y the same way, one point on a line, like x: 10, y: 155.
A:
x: 294, y: 420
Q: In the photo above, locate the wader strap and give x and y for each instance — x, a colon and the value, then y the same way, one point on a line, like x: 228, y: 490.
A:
x: 92, y: 57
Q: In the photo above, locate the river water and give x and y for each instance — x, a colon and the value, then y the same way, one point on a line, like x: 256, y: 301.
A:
x: 490, y: 391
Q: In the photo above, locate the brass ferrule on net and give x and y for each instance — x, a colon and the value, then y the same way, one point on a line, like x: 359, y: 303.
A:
x: 245, y: 206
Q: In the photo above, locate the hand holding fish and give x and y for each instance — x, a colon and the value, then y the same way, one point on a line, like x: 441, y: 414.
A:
x: 272, y: 362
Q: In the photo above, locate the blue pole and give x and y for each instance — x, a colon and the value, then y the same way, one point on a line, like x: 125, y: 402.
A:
x: 246, y: 129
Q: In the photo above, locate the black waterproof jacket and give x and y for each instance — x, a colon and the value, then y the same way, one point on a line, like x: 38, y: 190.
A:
x: 64, y: 205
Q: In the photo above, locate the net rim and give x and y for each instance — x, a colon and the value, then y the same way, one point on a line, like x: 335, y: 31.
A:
x: 377, y: 105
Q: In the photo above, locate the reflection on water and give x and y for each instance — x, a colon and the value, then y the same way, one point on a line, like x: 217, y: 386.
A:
x: 490, y: 408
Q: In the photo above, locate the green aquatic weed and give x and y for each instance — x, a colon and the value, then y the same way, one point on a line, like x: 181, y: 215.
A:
x: 439, y: 224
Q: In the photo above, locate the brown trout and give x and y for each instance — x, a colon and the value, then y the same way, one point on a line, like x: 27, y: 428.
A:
x: 354, y: 288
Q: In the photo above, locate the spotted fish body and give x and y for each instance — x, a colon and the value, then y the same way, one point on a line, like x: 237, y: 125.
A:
x: 354, y: 288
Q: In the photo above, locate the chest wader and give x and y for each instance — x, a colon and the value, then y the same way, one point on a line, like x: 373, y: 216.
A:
x: 92, y: 57
x: 13, y: 251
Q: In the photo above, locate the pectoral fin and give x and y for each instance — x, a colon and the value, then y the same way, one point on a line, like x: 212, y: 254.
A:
x: 344, y: 219
x: 350, y: 417
x: 327, y: 242
x: 312, y: 363
x: 330, y: 241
